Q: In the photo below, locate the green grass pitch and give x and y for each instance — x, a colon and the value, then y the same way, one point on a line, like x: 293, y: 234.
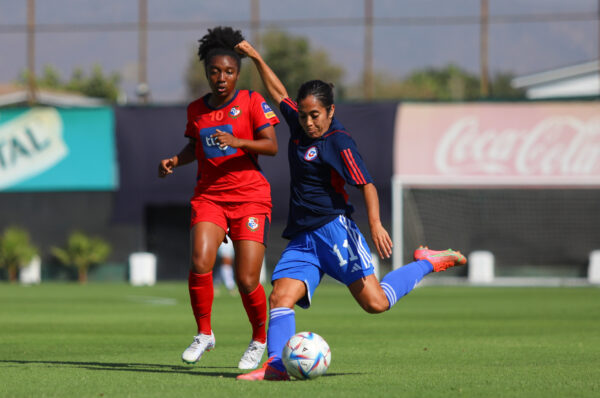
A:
x: 113, y: 340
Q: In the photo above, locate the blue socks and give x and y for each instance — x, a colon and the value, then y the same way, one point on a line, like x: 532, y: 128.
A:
x: 282, y: 326
x: 401, y: 281
x: 396, y: 284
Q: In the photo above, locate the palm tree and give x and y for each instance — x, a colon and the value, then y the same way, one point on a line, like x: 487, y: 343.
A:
x: 82, y: 252
x: 16, y: 251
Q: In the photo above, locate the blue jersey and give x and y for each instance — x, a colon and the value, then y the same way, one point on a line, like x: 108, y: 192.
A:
x: 319, y: 170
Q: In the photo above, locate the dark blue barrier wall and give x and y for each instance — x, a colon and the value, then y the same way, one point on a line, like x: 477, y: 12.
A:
x: 146, y: 135
x: 148, y: 213
x: 159, y: 206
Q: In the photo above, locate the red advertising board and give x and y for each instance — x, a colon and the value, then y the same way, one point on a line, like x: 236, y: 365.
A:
x: 546, y: 144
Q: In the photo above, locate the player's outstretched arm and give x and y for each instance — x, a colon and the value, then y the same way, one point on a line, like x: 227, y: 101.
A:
x: 274, y: 86
x: 185, y: 156
x: 379, y: 235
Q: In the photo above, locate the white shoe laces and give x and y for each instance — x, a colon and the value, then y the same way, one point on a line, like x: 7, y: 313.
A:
x: 201, y: 343
x: 202, y: 339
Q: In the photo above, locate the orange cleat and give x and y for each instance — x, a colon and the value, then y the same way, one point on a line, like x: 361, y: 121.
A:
x: 420, y: 253
x: 266, y: 372
x: 441, y: 260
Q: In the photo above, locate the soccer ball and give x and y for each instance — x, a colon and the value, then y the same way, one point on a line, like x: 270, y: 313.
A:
x: 306, y: 355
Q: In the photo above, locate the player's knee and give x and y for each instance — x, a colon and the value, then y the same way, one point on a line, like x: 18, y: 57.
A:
x: 375, y: 305
x: 275, y: 299
x: 200, y: 266
x: 278, y: 299
x: 246, y: 283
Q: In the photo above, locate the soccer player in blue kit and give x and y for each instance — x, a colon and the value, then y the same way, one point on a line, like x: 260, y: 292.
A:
x: 322, y: 158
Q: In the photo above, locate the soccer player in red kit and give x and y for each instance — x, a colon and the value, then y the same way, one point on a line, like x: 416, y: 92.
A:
x: 227, y: 130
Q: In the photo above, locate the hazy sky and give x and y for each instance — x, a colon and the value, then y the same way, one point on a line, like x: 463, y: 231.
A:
x: 521, y: 47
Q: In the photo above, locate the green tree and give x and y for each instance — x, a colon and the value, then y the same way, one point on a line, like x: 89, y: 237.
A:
x: 290, y: 57
x: 50, y: 78
x: 295, y: 62
x: 16, y: 251
x: 82, y: 252
x: 502, y: 89
x: 97, y: 84
x: 450, y: 83
x: 196, y: 83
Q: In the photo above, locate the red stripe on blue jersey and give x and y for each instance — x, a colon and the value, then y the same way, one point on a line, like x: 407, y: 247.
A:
x: 291, y: 103
x: 352, y: 167
x: 337, y: 182
x: 335, y: 131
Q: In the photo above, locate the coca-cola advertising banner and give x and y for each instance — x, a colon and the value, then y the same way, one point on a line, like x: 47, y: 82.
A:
x: 543, y: 144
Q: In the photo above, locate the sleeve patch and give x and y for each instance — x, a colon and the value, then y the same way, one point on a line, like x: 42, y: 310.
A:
x: 267, y: 111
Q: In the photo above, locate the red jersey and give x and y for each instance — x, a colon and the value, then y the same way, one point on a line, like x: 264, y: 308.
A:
x: 230, y: 174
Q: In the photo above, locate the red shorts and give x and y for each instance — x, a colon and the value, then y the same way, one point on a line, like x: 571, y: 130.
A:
x: 241, y: 221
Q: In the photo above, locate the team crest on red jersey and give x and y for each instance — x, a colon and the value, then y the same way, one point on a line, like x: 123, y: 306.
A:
x: 235, y: 112
x: 253, y: 224
x: 311, y: 153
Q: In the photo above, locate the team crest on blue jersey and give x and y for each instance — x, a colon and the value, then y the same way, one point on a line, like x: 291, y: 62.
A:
x: 267, y: 110
x: 311, y: 153
x: 235, y: 112
x: 253, y: 224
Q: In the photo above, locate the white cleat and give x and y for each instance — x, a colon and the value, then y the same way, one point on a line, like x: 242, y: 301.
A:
x: 253, y: 355
x: 201, y: 343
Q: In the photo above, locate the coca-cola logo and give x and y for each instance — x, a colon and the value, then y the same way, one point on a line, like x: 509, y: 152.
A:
x: 557, y: 145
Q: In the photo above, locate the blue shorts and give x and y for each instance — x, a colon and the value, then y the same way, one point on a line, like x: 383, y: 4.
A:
x: 337, y: 249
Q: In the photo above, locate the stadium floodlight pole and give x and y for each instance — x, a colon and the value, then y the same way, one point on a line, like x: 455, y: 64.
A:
x: 255, y: 30
x: 483, y: 50
x: 31, y: 86
x: 142, y: 89
x: 368, y: 60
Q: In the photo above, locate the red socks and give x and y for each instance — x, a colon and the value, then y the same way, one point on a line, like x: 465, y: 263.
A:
x: 201, y: 298
x: 255, y: 304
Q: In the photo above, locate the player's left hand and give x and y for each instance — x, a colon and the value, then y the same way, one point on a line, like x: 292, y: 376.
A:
x: 382, y: 241
x: 225, y: 140
x: 246, y: 48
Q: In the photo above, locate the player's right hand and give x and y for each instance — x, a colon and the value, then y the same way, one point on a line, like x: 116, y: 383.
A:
x: 165, y: 167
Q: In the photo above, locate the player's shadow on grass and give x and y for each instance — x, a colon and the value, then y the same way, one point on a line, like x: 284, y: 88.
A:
x: 137, y: 367
x: 149, y: 368
x: 343, y: 374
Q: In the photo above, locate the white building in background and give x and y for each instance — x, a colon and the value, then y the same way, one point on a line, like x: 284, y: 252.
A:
x: 16, y: 95
x: 581, y: 80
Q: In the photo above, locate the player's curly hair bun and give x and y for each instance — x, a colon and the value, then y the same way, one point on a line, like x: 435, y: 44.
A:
x: 220, y: 40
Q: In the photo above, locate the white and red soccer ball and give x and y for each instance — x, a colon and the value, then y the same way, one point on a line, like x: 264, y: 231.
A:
x: 306, y: 355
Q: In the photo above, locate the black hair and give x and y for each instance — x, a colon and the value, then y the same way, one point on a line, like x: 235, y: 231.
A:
x: 220, y: 41
x: 322, y: 91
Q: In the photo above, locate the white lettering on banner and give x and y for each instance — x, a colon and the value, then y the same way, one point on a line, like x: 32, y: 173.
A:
x: 30, y: 144
x: 559, y: 145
